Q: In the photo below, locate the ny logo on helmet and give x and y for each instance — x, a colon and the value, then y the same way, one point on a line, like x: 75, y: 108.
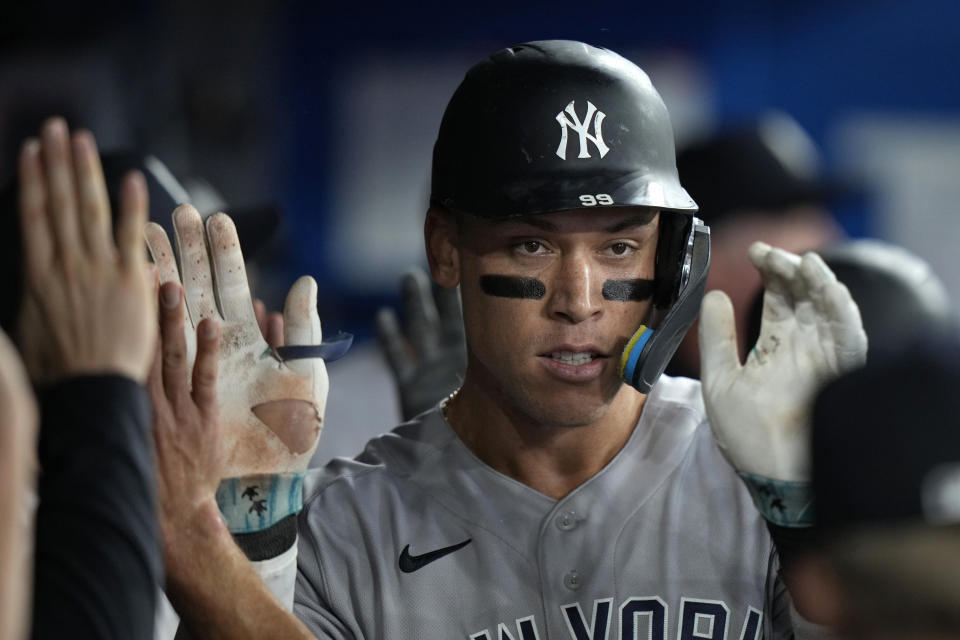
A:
x: 568, y: 118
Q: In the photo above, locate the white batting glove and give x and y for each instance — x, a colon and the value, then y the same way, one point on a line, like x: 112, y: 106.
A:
x: 810, y: 332
x: 271, y: 409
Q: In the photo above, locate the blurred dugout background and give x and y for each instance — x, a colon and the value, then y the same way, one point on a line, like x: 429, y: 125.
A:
x: 330, y: 111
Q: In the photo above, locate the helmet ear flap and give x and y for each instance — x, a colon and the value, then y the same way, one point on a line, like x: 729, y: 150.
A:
x: 671, y: 244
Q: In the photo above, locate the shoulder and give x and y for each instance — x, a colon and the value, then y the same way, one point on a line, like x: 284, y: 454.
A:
x: 676, y: 399
x: 675, y: 408
x: 678, y: 390
x: 355, y: 510
x: 388, y: 459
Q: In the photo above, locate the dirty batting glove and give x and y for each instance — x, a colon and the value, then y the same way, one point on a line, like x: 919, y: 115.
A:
x: 811, y: 332
x: 271, y: 407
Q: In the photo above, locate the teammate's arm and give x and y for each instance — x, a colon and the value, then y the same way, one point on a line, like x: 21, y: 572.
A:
x: 811, y: 331
x: 209, y: 580
x: 87, y: 332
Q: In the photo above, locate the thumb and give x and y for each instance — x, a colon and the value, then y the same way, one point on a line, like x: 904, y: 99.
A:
x: 301, y: 321
x: 718, y: 338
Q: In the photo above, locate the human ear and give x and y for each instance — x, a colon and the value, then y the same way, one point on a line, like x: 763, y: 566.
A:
x: 443, y: 254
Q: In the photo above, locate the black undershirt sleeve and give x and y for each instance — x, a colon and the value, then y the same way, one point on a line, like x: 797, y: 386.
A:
x: 98, y: 557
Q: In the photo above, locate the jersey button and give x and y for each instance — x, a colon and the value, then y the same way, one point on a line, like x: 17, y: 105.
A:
x: 572, y: 580
x: 567, y: 520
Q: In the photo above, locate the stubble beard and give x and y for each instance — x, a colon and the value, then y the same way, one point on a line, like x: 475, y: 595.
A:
x: 562, y: 408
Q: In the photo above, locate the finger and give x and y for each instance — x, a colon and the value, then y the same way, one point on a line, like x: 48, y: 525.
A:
x: 260, y: 311
x: 194, y: 263
x: 230, y: 274
x: 817, y: 278
x: 93, y: 202
x: 718, y: 338
x: 757, y: 252
x: 776, y: 271
x: 393, y: 343
x: 62, y: 193
x: 205, y: 367
x: 301, y: 321
x: 167, y: 271
x: 835, y: 306
x: 274, y: 335
x: 759, y: 255
x: 34, y: 227
x: 785, y: 267
x: 421, y: 311
x: 163, y: 422
x: 152, y: 278
x: 174, y: 347
x: 155, y: 378
x: 846, y: 325
x: 162, y: 253
x: 133, y: 216
x: 777, y: 309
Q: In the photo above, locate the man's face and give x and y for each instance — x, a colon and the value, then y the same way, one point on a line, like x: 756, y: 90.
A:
x: 549, y: 302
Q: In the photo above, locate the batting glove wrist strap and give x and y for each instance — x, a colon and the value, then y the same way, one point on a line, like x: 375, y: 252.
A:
x: 781, y: 502
x: 270, y: 543
x: 255, y: 503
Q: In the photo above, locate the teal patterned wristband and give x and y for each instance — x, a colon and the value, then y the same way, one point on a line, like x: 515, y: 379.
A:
x: 784, y: 503
x: 256, y: 503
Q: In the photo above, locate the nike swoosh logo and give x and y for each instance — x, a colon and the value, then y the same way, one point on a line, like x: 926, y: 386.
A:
x: 409, y: 563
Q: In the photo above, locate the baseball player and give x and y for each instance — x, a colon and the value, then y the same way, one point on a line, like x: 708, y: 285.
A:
x: 545, y: 498
x: 886, y: 563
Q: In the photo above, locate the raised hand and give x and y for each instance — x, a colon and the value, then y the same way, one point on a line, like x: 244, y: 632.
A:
x: 811, y: 332
x: 186, y: 430
x: 430, y: 359
x: 88, y: 304
x: 271, y: 410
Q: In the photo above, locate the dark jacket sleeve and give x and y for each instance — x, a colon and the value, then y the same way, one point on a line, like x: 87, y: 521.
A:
x: 98, y: 556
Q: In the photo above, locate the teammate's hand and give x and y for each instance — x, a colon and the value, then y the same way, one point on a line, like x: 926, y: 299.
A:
x: 18, y: 450
x: 270, y: 322
x: 810, y: 332
x: 88, y: 306
x: 429, y: 362
x: 271, y: 410
x: 186, y: 428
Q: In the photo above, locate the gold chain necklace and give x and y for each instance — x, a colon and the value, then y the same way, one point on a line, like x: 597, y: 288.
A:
x: 445, y: 406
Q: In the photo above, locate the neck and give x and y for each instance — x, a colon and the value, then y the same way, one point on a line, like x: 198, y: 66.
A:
x: 551, y: 459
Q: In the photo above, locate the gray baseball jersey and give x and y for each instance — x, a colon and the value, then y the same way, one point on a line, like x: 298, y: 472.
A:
x: 417, y: 538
